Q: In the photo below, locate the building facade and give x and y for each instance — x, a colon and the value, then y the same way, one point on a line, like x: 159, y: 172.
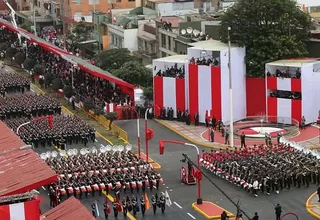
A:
x: 147, y: 42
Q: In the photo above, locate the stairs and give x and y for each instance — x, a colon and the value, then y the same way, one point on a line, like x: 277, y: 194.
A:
x: 191, y: 180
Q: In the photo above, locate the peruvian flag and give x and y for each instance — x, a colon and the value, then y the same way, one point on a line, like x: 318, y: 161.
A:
x: 21, y: 211
x: 169, y: 92
x: 114, y: 19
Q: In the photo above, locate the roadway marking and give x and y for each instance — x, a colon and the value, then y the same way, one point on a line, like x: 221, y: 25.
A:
x: 43, y: 188
x: 177, y: 205
x: 32, y: 90
x: 191, y: 215
x: 101, y: 145
x: 95, y: 140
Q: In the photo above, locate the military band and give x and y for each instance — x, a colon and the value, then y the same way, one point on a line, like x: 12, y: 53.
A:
x: 262, y: 169
x: 66, y: 131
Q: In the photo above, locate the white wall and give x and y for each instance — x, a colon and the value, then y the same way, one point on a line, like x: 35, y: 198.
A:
x: 130, y: 40
x: 172, y: 9
x: 238, y: 72
x: 316, y: 67
x: 310, y: 97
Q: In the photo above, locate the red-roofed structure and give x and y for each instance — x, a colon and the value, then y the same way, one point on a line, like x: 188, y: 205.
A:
x: 20, y: 170
x: 71, y: 209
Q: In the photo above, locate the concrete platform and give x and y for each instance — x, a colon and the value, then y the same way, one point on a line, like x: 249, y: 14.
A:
x: 210, y: 210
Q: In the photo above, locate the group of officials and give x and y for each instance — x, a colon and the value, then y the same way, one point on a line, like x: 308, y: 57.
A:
x: 117, y: 172
x: 66, y: 130
x: 173, y: 71
x: 264, y: 168
x: 28, y: 105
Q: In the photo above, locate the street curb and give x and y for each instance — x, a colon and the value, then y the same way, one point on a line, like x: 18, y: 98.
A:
x: 186, y: 137
x: 211, y: 217
x: 308, y: 207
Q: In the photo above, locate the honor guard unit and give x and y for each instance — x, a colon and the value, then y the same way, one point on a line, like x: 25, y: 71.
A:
x: 111, y: 168
x: 264, y: 169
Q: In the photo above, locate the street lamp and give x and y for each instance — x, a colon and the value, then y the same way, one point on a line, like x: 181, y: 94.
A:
x: 146, y: 129
x: 49, y: 117
x: 230, y: 90
x: 161, y: 151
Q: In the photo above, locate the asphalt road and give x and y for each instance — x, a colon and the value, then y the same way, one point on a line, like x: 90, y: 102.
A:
x: 291, y: 201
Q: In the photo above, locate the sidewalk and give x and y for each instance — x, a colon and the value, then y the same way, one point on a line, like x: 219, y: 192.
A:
x: 313, y: 206
x: 193, y: 134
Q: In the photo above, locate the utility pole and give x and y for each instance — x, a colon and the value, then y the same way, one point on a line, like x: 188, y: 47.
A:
x: 230, y: 91
x: 34, y: 20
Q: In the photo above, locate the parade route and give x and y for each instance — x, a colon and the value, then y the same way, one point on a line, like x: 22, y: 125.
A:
x: 292, y: 200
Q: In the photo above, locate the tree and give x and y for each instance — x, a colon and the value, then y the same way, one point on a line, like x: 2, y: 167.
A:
x: 111, y: 116
x: 80, y: 32
x: 10, y: 52
x: 57, y: 84
x: 68, y: 91
x: 29, y: 63
x: 148, y: 93
x: 26, y: 26
x: 88, y: 103
x: 19, y: 57
x: 113, y: 59
x: 134, y: 73
x: 38, y: 69
x: 270, y: 30
x: 48, y: 78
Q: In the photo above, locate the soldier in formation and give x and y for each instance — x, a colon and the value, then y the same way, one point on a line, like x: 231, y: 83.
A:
x: 85, y: 174
x: 262, y: 169
x: 28, y: 105
x: 66, y: 130
x: 12, y: 82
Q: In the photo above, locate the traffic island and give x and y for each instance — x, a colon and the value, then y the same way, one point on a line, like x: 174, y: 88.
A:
x: 313, y: 206
x: 210, y: 210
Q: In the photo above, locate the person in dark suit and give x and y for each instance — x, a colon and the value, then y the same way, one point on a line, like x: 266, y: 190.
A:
x: 211, y: 134
x: 278, y: 211
x: 196, y: 119
x: 243, y: 140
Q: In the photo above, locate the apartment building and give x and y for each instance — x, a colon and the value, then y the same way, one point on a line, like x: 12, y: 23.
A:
x: 147, y: 42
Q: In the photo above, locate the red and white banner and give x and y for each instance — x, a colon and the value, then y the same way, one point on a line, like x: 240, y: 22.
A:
x: 21, y: 211
x: 110, y: 107
x: 205, y: 93
x: 285, y: 110
x: 284, y: 84
x: 169, y: 92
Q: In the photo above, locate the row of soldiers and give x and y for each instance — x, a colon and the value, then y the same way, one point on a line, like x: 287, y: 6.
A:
x: 66, y: 131
x: 264, y: 169
x: 28, y: 105
x: 12, y: 82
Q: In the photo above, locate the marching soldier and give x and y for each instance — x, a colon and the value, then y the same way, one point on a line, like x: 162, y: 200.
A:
x: 143, y: 205
x: 134, y: 205
x: 93, y: 209
x: 115, y: 209
x: 154, y: 203
x: 162, y: 202
x: 106, y: 209
x: 124, y: 207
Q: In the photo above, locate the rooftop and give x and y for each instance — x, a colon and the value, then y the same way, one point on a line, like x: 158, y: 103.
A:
x: 211, y: 45
x: 173, y: 59
x: 174, y: 20
x: 9, y: 141
x: 294, y: 62
x: 162, y: 1
x: 70, y: 209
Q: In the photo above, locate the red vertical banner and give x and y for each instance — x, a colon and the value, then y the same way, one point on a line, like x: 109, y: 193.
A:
x: 256, y: 96
x: 193, y: 91
x: 216, y: 92
x: 32, y: 210
x: 295, y: 85
x: 158, y: 93
x: 272, y: 83
x: 5, y: 212
x: 296, y: 110
x: 180, y: 94
x: 273, y: 109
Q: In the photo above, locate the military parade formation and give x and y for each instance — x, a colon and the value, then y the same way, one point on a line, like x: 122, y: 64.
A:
x: 11, y: 82
x: 264, y: 169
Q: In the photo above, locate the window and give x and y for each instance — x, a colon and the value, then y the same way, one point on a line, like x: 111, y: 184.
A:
x: 132, y: 0
x: 169, y: 43
x: 77, y: 16
x: 120, y: 43
x: 118, y: 1
x: 163, y: 54
x: 163, y: 40
x: 76, y: 2
x: 93, y: 2
x: 145, y: 46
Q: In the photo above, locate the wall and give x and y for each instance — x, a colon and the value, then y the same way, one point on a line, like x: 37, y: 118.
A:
x: 181, y: 48
x: 256, y: 96
x: 213, y: 31
x: 105, y: 43
x: 310, y: 93
x: 131, y: 39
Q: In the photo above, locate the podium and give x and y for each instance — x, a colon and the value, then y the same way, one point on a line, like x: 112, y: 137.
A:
x: 186, y: 177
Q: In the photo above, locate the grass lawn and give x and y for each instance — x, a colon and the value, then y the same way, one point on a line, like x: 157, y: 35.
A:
x: 80, y: 113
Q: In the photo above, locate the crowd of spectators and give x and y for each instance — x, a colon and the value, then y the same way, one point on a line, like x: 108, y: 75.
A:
x: 285, y: 94
x: 174, y: 71
x: 204, y: 61
x: 286, y: 74
x: 28, y: 105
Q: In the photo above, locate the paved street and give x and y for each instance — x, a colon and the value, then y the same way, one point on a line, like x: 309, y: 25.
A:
x: 291, y: 201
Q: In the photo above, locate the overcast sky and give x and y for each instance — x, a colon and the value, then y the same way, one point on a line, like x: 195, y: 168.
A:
x: 310, y: 2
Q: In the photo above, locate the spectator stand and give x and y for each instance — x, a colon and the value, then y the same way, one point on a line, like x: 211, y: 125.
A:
x: 169, y: 84
x: 207, y: 80
x: 292, y: 89
x: 21, y: 170
x: 70, y: 209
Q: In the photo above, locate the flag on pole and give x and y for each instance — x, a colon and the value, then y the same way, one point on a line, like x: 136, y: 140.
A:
x: 168, y: 200
x: 97, y: 208
x: 146, y: 200
x: 114, y: 19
